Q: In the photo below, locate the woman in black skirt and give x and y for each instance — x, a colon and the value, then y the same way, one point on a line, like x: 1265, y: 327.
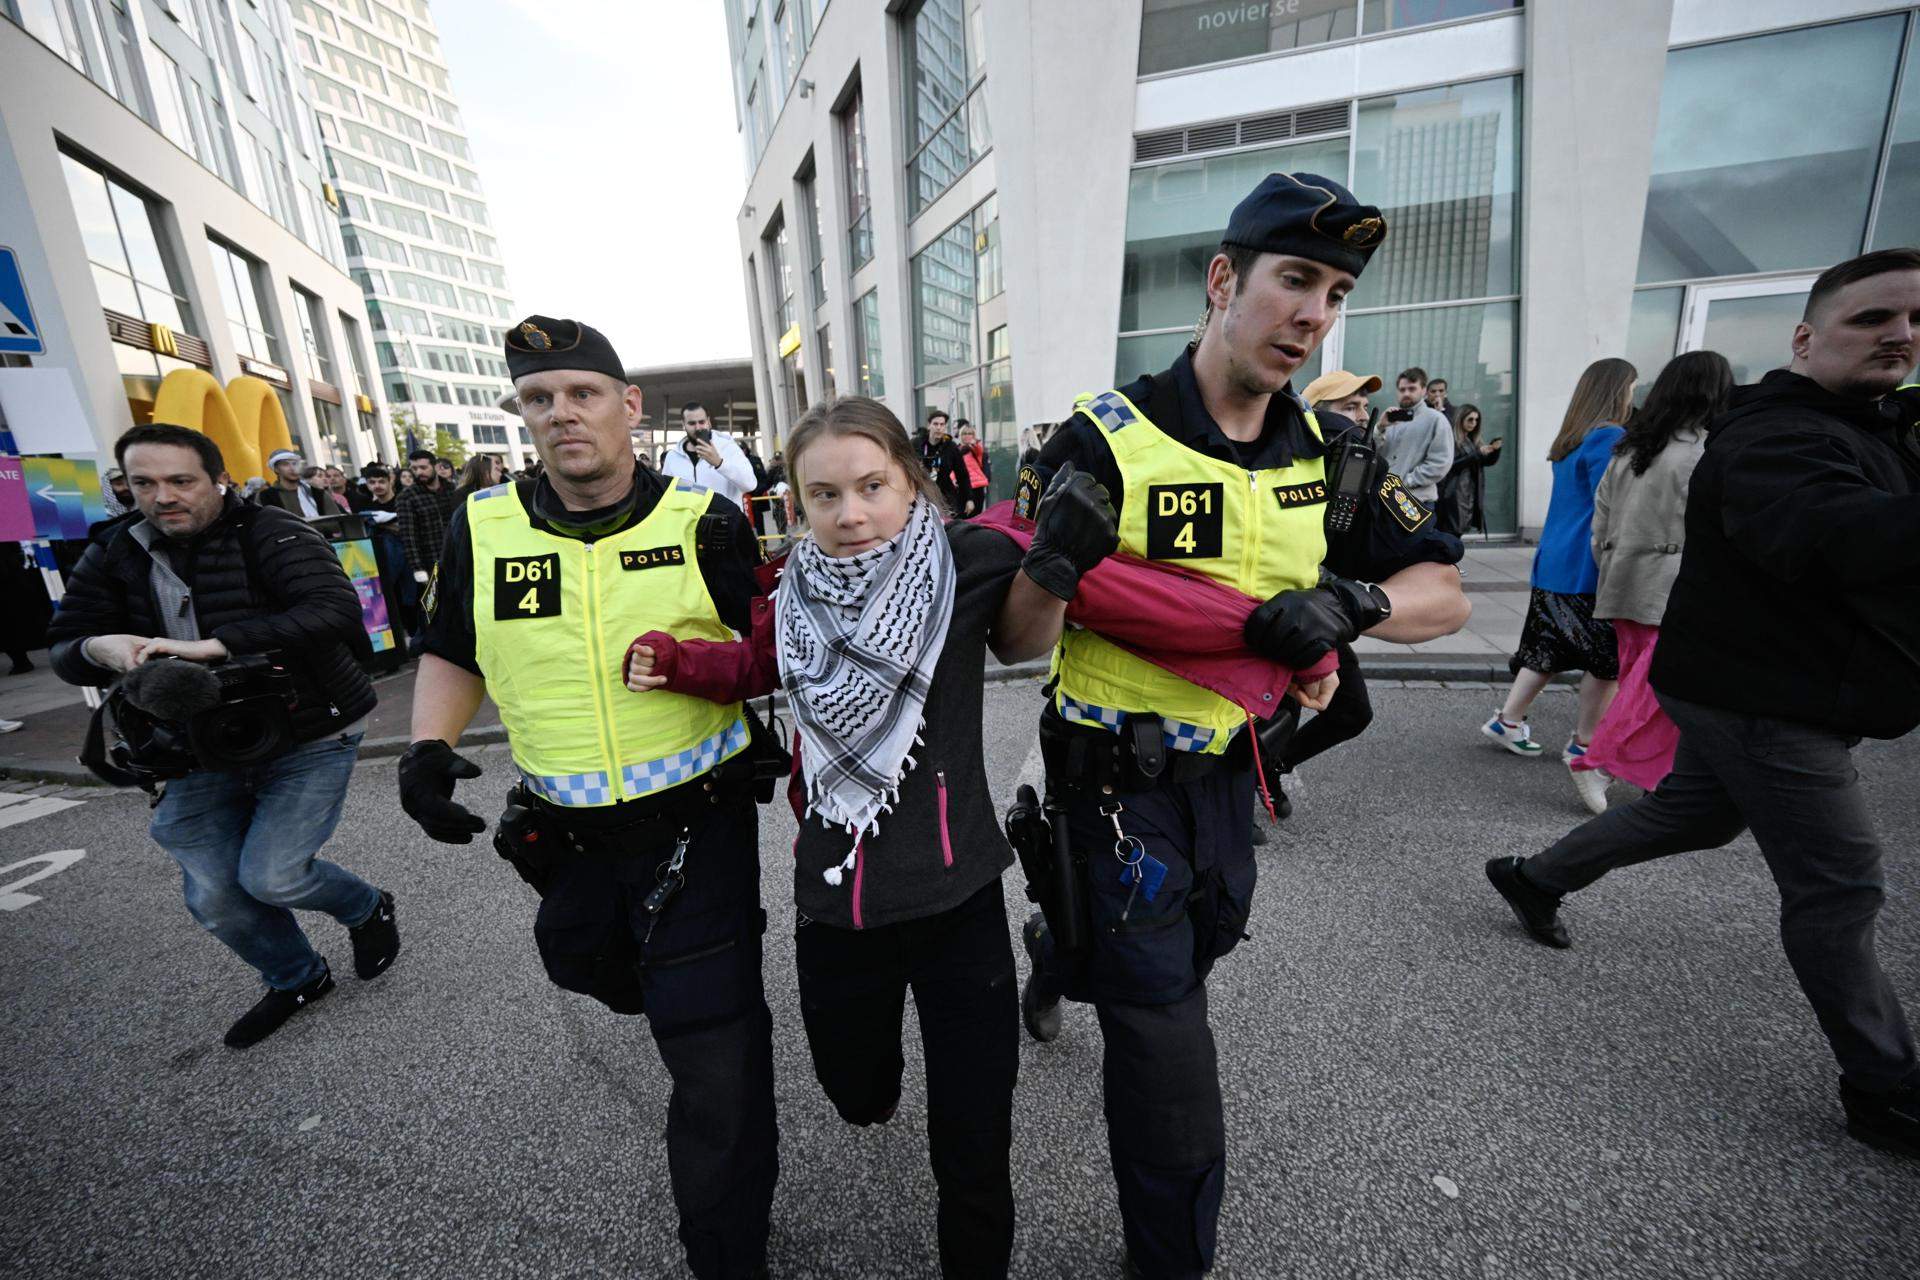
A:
x: 1560, y: 632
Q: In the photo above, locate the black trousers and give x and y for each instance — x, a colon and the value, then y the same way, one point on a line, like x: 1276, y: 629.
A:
x: 1345, y: 718
x: 1796, y: 787
x: 695, y: 974
x: 1145, y: 975
x: 959, y: 965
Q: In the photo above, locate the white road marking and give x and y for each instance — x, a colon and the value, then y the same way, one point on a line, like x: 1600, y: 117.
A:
x: 35, y: 807
x: 57, y: 861
x: 1032, y: 771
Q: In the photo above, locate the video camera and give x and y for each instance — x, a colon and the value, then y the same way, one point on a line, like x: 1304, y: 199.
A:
x: 170, y: 717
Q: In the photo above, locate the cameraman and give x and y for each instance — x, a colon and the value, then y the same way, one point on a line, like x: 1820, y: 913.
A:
x: 204, y: 576
x: 711, y: 459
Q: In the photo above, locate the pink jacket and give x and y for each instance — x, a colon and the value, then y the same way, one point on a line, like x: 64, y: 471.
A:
x: 1141, y: 605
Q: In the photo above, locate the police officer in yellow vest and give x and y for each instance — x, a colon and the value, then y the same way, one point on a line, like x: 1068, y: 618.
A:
x: 1215, y: 466
x: 650, y: 879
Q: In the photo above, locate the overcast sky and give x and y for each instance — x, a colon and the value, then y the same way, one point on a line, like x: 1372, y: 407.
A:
x: 604, y: 135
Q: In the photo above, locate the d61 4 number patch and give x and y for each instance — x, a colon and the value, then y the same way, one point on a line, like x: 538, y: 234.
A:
x: 526, y: 587
x: 1184, y: 521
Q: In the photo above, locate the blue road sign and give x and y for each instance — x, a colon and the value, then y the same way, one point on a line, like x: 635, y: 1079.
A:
x: 19, y: 333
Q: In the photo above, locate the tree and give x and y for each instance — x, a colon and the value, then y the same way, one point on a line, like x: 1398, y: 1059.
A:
x: 444, y: 443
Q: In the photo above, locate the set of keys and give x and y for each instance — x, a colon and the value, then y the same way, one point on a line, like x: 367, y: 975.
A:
x: 672, y: 877
x: 1138, y: 868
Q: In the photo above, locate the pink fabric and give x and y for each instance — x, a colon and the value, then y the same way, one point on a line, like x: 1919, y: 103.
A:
x: 1635, y: 740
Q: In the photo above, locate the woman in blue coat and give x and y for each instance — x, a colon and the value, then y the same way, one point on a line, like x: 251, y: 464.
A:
x: 1560, y: 632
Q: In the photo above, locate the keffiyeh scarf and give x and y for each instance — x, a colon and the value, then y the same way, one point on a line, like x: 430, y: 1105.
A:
x: 858, y: 639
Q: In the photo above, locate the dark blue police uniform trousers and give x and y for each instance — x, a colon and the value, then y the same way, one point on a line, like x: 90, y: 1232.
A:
x: 1146, y: 975
x: 695, y: 974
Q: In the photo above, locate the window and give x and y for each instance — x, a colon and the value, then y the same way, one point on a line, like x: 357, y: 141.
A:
x: 1175, y: 214
x: 1443, y: 165
x: 870, y: 377
x: 371, y: 244
x: 1720, y: 161
x: 1175, y: 34
x: 313, y: 337
x: 853, y: 141
x: 355, y: 356
x: 399, y: 319
x: 947, y: 117
x: 357, y: 171
x: 789, y: 43
x: 452, y: 233
x: 173, y: 104
x: 401, y: 218
x: 1897, y: 220
x: 133, y: 273
x: 489, y: 432
x: 471, y: 210
x: 419, y: 192
x: 810, y: 217
x: 780, y: 270
x: 831, y: 382
x: 757, y: 113
x: 57, y: 26
x: 962, y: 356
x: 244, y: 297
x: 434, y: 167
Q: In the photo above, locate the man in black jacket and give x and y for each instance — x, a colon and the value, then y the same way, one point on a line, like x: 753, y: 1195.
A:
x: 942, y: 458
x: 1792, y: 632
x: 204, y: 577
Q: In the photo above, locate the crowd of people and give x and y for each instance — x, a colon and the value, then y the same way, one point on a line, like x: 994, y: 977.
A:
x: 1198, y: 549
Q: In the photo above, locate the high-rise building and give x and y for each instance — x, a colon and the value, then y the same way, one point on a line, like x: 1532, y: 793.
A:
x: 413, y: 216
x: 161, y: 186
x: 977, y: 204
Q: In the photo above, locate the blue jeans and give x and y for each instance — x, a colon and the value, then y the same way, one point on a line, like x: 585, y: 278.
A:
x: 245, y: 840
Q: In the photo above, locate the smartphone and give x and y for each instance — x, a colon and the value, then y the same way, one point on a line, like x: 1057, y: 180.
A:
x: 1399, y: 415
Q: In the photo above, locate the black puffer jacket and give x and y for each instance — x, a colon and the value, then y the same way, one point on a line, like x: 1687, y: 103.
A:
x: 296, y: 602
x: 1799, y: 589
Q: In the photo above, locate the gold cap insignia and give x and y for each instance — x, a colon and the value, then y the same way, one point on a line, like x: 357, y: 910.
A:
x: 535, y: 336
x: 1364, y: 232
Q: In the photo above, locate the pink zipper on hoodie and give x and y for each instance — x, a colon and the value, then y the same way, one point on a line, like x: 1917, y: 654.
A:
x: 946, y: 841
x: 859, y: 879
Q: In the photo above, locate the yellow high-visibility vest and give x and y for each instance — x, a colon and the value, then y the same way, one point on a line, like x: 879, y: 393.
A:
x: 1260, y: 532
x: 552, y: 619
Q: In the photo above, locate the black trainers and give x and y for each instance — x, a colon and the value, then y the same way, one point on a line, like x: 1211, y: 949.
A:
x: 1889, y: 1121
x: 376, y: 940
x: 273, y: 1010
x: 1538, y: 910
x: 1039, y: 1001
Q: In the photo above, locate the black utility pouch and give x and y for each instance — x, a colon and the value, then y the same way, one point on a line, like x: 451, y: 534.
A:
x: 526, y: 840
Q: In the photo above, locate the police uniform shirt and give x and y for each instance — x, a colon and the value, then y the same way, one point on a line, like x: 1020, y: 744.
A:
x: 1392, y: 531
x: 727, y: 556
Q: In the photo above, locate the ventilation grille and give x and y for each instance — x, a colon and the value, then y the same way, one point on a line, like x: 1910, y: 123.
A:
x: 1222, y: 135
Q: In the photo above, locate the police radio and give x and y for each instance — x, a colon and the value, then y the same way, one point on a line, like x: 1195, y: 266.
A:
x: 1350, y: 478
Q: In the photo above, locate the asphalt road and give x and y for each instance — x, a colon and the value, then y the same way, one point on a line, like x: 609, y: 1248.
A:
x: 1413, y: 1089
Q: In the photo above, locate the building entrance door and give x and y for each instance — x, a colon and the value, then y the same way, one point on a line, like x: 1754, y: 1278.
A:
x: 1750, y: 322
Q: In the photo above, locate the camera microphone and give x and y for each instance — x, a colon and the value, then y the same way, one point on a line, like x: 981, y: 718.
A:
x: 172, y: 689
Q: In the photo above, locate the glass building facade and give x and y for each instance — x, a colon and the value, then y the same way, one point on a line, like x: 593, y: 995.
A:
x: 412, y: 214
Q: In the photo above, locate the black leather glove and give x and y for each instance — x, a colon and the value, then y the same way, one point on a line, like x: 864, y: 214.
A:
x: 1075, y: 529
x: 1297, y: 628
x: 428, y: 771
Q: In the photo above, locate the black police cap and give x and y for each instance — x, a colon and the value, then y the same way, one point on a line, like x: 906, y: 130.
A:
x: 1308, y: 216
x: 539, y: 343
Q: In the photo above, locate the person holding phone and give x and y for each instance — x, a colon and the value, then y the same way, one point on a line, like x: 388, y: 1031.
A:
x: 1463, y: 493
x: 711, y: 459
x: 1417, y: 439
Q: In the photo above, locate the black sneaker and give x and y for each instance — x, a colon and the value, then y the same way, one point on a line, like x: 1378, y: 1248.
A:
x: 1538, y: 910
x: 273, y: 1010
x: 376, y: 940
x: 1259, y: 834
x: 1889, y: 1121
x: 1039, y: 1000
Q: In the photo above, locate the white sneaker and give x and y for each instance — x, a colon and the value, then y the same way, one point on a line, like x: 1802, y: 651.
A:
x: 1517, y: 738
x: 8, y: 726
x: 1591, y: 786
